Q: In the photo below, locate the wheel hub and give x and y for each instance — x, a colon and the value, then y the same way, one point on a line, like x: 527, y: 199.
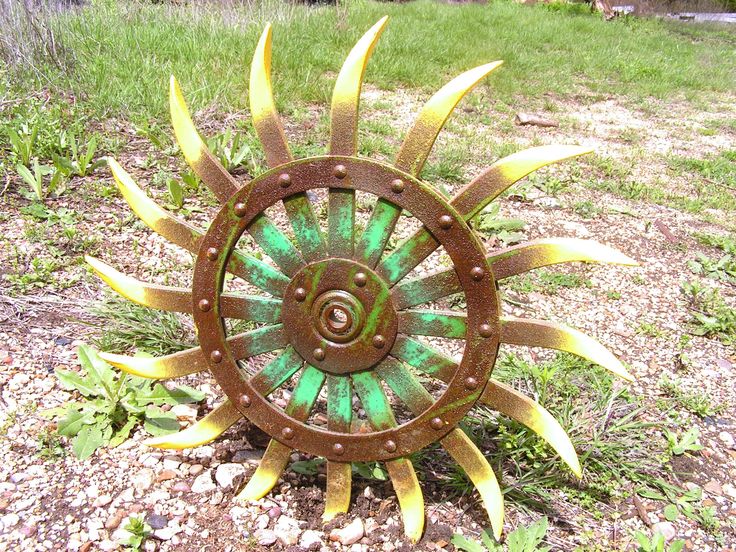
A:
x: 339, y: 316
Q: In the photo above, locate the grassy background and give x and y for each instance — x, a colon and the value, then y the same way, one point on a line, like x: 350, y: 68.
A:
x: 124, y: 52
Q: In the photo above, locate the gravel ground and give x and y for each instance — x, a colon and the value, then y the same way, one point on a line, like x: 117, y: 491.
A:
x: 187, y: 497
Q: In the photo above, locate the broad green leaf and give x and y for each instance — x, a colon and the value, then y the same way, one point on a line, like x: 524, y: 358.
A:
x: 462, y: 543
x: 99, y: 370
x: 158, y: 422
x: 72, y: 380
x: 670, y: 512
x: 88, y: 440
x: 161, y: 395
x: 74, y: 422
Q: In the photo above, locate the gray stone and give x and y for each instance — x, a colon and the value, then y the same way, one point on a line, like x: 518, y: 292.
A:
x: 287, y: 531
x: 144, y: 479
x: 666, y: 528
x: 310, y: 538
x: 249, y: 456
x: 156, y: 521
x: 265, y: 537
x: 203, y: 483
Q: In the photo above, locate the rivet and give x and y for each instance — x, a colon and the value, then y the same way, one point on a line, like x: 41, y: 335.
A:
x: 239, y: 209
x: 445, y: 222
x: 300, y: 294
x: 284, y: 180
x: 212, y: 253
x: 477, y: 273
x: 340, y: 171
x: 338, y: 449
x: 379, y: 341
x: 390, y: 446
x: 360, y: 279
x: 319, y: 353
x: 485, y: 330
x: 287, y: 433
x: 436, y: 423
x: 397, y: 186
x: 244, y: 400
x: 216, y: 356
x: 471, y: 383
x: 204, y: 305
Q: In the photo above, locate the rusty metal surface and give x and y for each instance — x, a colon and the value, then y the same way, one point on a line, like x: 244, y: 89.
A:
x: 432, y: 210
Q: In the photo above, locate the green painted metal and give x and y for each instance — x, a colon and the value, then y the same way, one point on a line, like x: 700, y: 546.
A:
x: 373, y: 240
x: 305, y: 393
x: 274, y: 374
x: 435, y: 323
x: 341, y: 222
x: 375, y: 403
x: 276, y: 244
x: 339, y: 403
x: 407, y: 256
x: 423, y: 357
x: 306, y: 228
x: 405, y: 385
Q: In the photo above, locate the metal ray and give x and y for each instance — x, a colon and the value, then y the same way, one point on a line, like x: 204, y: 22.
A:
x: 524, y: 410
x: 509, y: 262
x: 346, y: 94
x: 266, y: 119
x: 403, y: 383
x: 204, y: 431
x: 447, y: 324
x: 276, y: 244
x: 420, y: 139
x: 191, y: 361
x: 277, y: 454
x: 175, y: 299
x: 188, y: 236
x: 274, y: 374
x: 423, y: 357
x: 471, y: 200
x: 339, y: 417
x: 542, y: 333
x: 196, y: 153
x: 411, y: 501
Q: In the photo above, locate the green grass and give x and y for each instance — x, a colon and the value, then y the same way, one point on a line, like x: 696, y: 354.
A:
x: 125, y: 52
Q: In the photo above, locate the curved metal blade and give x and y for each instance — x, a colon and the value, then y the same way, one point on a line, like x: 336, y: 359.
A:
x: 420, y: 139
x: 542, y: 333
x: 187, y: 236
x: 339, y: 480
x: 509, y: 262
x: 346, y: 94
x: 198, y: 157
x: 191, y: 361
x: 269, y: 470
x: 524, y: 410
x: 471, y: 200
x: 477, y: 468
x: 411, y: 501
x: 205, y: 430
x: 263, y: 110
x: 175, y: 299
x: 277, y: 454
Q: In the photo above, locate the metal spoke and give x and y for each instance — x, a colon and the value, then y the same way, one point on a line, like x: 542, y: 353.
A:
x: 274, y: 374
x: 339, y: 417
x: 275, y: 244
x: 188, y: 236
x: 191, y: 361
x: 373, y: 240
x: 341, y: 222
x: 423, y: 357
x: 447, y: 324
x: 306, y: 228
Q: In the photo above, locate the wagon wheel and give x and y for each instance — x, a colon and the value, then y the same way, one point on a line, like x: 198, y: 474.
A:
x: 341, y: 310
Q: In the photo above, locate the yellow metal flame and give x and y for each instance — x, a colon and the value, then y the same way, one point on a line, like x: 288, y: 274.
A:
x: 205, y: 430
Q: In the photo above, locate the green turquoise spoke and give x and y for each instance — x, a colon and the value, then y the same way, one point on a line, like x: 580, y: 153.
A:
x: 425, y: 289
x: 341, y: 222
x: 339, y: 403
x: 305, y: 393
x: 274, y: 374
x: 306, y: 228
x: 258, y: 273
x: 258, y: 341
x: 408, y: 255
x: 430, y: 322
x: 276, y: 244
x: 250, y: 307
x: 381, y: 225
x: 423, y: 357
x: 403, y: 383
x: 376, y: 405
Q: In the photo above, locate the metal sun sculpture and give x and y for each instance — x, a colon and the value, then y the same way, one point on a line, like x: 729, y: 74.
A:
x: 339, y: 308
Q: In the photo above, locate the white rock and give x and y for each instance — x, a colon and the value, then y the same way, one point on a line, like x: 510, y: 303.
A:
x: 185, y: 411
x: 171, y: 462
x: 10, y: 520
x: 351, y: 533
x: 73, y: 544
x: 167, y: 532
x: 226, y: 474
x: 107, y: 545
x: 265, y: 537
x: 102, y: 500
x: 287, y: 531
x: 203, y: 483
x: 144, y: 479
x: 666, y: 528
x: 727, y: 439
x: 310, y: 538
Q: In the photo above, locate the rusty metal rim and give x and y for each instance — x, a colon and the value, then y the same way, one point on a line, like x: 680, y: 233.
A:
x: 432, y: 210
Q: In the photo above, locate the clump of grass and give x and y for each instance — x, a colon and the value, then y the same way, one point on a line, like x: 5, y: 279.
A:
x: 711, y: 315
x: 696, y: 403
x: 127, y: 326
